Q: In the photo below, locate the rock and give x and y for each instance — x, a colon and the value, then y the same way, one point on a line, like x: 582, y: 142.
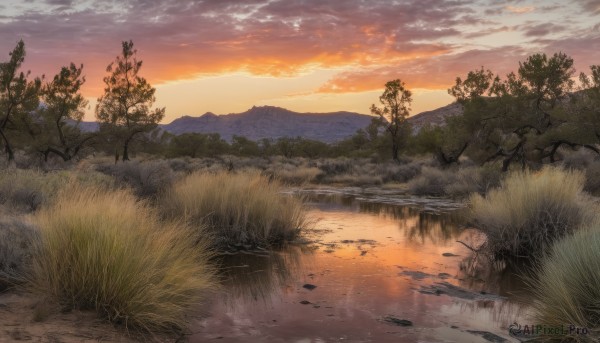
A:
x: 488, y: 336
x: 416, y: 275
x: 457, y: 292
x: 396, y: 321
x: 448, y: 254
x: 363, y: 253
x: 444, y: 276
x: 305, y: 302
x: 309, y: 286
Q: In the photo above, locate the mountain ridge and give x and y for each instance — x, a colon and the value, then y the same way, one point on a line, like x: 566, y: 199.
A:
x: 275, y: 122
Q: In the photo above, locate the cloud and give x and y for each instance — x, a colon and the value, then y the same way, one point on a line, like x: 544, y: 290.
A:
x: 590, y: 6
x: 182, y: 39
x: 432, y: 73
x: 542, y: 29
x: 520, y: 10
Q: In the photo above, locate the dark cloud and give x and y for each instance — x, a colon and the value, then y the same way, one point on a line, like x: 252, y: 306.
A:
x: 544, y: 29
x: 590, y: 6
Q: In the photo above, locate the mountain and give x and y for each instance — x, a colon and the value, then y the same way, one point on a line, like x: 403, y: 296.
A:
x: 275, y: 122
x: 435, y: 117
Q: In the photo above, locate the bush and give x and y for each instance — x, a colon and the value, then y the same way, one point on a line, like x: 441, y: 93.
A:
x: 105, y: 251
x: 16, y: 240
x: 147, y: 179
x: 239, y: 209
x: 27, y: 190
x: 566, y: 287
x: 531, y: 210
x: 432, y: 181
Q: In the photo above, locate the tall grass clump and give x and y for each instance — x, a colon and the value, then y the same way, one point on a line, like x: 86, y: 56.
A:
x: 16, y: 240
x: 25, y: 190
x: 105, y: 251
x: 531, y: 210
x: 566, y: 284
x: 239, y: 208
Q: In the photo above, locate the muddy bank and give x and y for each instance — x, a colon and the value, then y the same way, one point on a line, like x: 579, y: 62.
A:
x: 18, y: 324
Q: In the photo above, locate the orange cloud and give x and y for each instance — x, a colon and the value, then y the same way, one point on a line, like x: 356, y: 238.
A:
x: 520, y: 10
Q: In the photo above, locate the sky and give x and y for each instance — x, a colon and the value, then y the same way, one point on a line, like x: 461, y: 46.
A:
x: 225, y: 56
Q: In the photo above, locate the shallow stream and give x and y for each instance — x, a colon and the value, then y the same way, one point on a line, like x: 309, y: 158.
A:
x: 376, y: 267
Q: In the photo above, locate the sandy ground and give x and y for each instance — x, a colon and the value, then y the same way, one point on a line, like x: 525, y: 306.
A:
x: 17, y: 324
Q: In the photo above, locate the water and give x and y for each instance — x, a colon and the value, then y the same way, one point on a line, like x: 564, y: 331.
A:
x: 371, y: 255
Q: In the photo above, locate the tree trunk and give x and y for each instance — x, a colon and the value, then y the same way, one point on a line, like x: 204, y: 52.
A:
x: 126, y: 151
x: 7, y: 147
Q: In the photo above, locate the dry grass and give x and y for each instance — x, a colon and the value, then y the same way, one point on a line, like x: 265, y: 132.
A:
x: 16, y: 240
x: 24, y: 190
x: 532, y: 210
x: 106, y: 251
x: 566, y: 287
x: 239, y: 208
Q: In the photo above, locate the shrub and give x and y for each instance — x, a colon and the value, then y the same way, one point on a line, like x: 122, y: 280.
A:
x: 239, y: 208
x: 566, y: 287
x: 27, y: 190
x: 147, y: 179
x: 531, y: 210
x: 102, y: 250
x: 432, y: 181
x: 16, y: 240
x: 294, y: 175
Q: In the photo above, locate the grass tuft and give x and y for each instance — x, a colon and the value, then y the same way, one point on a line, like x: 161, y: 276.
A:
x: 104, y: 250
x: 239, y: 209
x: 531, y: 210
x: 566, y: 286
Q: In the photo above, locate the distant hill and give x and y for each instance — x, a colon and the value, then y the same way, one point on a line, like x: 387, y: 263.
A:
x: 435, y: 117
x: 273, y: 122
x: 276, y: 122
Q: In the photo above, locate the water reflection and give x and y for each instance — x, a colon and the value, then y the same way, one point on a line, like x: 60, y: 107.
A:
x: 367, y: 260
x: 258, y: 276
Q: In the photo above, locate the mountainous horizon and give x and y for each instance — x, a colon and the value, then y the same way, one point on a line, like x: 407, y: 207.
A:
x: 275, y: 122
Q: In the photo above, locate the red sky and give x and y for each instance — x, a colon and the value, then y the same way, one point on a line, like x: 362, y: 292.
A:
x: 306, y: 55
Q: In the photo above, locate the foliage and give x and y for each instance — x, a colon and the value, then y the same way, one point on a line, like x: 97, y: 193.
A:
x: 62, y: 111
x: 16, y: 240
x: 565, y: 285
x: 106, y: 251
x: 524, y: 118
x: 396, y: 100
x: 124, y: 109
x: 239, y: 208
x: 531, y: 210
x: 18, y: 97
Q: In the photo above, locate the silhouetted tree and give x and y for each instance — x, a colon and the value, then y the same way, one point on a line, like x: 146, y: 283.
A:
x: 124, y: 109
x: 396, y: 100
x: 61, y: 114
x: 18, y: 96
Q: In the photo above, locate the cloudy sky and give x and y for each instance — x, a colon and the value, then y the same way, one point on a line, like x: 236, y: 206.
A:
x: 306, y: 55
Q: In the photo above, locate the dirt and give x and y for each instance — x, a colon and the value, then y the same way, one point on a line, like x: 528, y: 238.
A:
x: 17, y: 313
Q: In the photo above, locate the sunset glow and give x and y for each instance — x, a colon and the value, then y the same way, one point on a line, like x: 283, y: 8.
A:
x: 317, y: 56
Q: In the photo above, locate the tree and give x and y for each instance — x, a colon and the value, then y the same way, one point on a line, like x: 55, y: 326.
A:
x: 18, y: 96
x: 63, y: 110
x: 396, y: 100
x: 522, y: 118
x: 124, y: 109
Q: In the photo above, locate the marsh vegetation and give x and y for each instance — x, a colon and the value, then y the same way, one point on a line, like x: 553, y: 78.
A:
x: 148, y: 241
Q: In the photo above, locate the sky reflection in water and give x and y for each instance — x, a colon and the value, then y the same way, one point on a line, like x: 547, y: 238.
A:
x: 368, y: 260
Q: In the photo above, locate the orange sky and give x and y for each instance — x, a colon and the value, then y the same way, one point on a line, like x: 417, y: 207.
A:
x: 226, y: 56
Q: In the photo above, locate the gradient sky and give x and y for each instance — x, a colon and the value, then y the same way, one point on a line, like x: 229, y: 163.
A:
x: 305, y: 55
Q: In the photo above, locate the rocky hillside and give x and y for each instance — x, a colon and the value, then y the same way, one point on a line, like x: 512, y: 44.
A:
x: 435, y: 117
